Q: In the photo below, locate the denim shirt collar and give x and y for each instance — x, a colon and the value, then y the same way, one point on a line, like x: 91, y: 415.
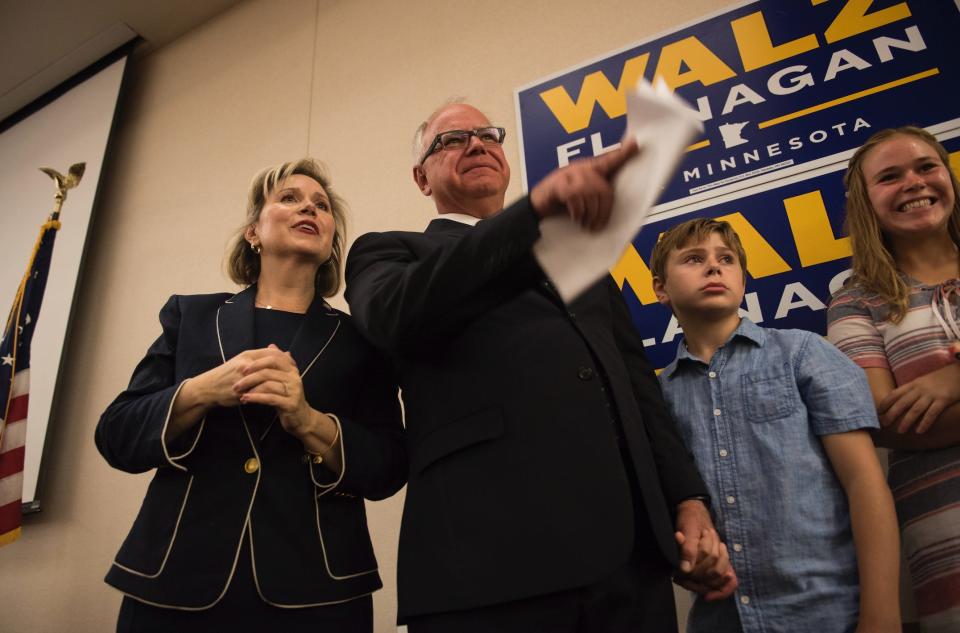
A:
x: 747, y: 330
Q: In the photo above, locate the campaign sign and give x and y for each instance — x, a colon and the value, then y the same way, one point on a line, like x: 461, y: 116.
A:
x: 781, y: 86
x: 797, y: 256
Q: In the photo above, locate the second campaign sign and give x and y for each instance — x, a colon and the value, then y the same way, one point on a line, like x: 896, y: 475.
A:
x: 786, y: 89
x: 777, y: 83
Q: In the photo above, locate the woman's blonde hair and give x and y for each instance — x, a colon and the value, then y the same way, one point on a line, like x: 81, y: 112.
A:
x: 243, y: 264
x: 874, y: 267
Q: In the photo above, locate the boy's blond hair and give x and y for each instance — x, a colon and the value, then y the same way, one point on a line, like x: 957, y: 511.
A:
x: 694, y: 232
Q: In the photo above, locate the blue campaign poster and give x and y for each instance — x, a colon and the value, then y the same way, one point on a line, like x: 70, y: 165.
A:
x: 797, y: 255
x: 786, y: 90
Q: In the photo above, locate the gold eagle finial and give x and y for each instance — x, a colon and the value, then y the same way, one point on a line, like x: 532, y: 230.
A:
x: 64, y: 183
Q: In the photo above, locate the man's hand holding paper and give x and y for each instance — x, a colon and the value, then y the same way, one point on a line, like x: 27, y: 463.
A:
x: 583, y: 191
x: 662, y: 127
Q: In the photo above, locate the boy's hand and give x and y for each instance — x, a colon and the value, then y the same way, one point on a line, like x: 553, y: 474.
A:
x: 704, y: 560
x: 693, y: 519
x: 712, y: 576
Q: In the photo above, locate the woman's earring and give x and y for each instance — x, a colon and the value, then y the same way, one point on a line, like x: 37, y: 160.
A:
x: 255, y: 248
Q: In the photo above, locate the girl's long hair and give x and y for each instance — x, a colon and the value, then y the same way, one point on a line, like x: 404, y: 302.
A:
x: 874, y: 267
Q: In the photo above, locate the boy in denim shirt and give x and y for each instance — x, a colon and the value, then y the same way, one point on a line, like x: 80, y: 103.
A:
x: 777, y: 421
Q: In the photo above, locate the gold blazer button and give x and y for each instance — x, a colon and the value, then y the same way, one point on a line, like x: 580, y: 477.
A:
x: 252, y: 465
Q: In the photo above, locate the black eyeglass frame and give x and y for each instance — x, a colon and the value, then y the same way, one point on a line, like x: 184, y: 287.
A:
x: 502, y: 134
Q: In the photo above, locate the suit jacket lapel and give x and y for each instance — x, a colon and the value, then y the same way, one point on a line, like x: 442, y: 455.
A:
x: 442, y: 226
x: 235, y: 328
x: 235, y: 323
x: 547, y: 288
x: 319, y: 326
x: 234, y: 335
x: 452, y: 228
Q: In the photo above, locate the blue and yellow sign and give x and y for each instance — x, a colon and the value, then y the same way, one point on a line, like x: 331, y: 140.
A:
x: 786, y: 90
x: 797, y: 256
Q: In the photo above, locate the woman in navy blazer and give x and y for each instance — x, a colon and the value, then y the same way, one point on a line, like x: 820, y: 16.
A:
x: 267, y: 419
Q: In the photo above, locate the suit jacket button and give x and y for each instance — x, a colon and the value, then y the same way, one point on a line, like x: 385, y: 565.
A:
x: 252, y: 465
x: 585, y: 373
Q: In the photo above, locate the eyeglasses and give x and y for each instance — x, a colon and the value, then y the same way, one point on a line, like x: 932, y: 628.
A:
x: 459, y: 139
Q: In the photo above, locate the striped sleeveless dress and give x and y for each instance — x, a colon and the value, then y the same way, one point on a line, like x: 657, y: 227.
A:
x: 925, y: 484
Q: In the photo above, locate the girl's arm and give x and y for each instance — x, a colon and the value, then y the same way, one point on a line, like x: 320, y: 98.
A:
x: 945, y: 429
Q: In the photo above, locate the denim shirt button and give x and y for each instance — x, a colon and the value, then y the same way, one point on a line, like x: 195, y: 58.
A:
x: 712, y: 374
x: 744, y: 599
x: 716, y: 412
x: 723, y: 452
x: 731, y: 499
x: 737, y: 547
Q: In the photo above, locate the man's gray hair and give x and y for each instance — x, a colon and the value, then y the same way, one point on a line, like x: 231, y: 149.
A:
x: 418, y: 140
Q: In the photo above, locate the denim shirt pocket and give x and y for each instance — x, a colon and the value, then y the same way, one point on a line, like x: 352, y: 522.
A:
x: 769, y: 393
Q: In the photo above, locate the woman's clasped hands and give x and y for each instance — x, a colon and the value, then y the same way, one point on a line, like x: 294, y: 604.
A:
x: 268, y: 376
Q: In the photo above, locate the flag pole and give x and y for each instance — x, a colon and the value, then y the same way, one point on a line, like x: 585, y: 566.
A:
x: 63, y: 185
x: 15, y: 343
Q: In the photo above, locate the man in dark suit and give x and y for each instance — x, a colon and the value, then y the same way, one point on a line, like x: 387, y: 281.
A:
x: 547, y: 477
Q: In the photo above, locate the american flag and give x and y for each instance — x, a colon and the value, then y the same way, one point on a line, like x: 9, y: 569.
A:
x: 15, y: 380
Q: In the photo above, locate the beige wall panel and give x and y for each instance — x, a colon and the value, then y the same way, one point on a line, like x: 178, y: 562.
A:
x: 383, y: 66
x: 200, y: 117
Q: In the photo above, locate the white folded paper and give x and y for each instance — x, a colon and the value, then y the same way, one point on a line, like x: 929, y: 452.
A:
x: 664, y: 126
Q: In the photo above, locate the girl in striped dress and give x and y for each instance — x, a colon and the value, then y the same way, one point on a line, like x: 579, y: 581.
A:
x: 897, y: 317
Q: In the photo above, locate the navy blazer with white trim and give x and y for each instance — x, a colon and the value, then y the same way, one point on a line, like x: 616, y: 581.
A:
x: 307, y: 527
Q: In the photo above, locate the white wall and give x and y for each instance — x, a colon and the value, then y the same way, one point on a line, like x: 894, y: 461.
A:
x: 345, y: 81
